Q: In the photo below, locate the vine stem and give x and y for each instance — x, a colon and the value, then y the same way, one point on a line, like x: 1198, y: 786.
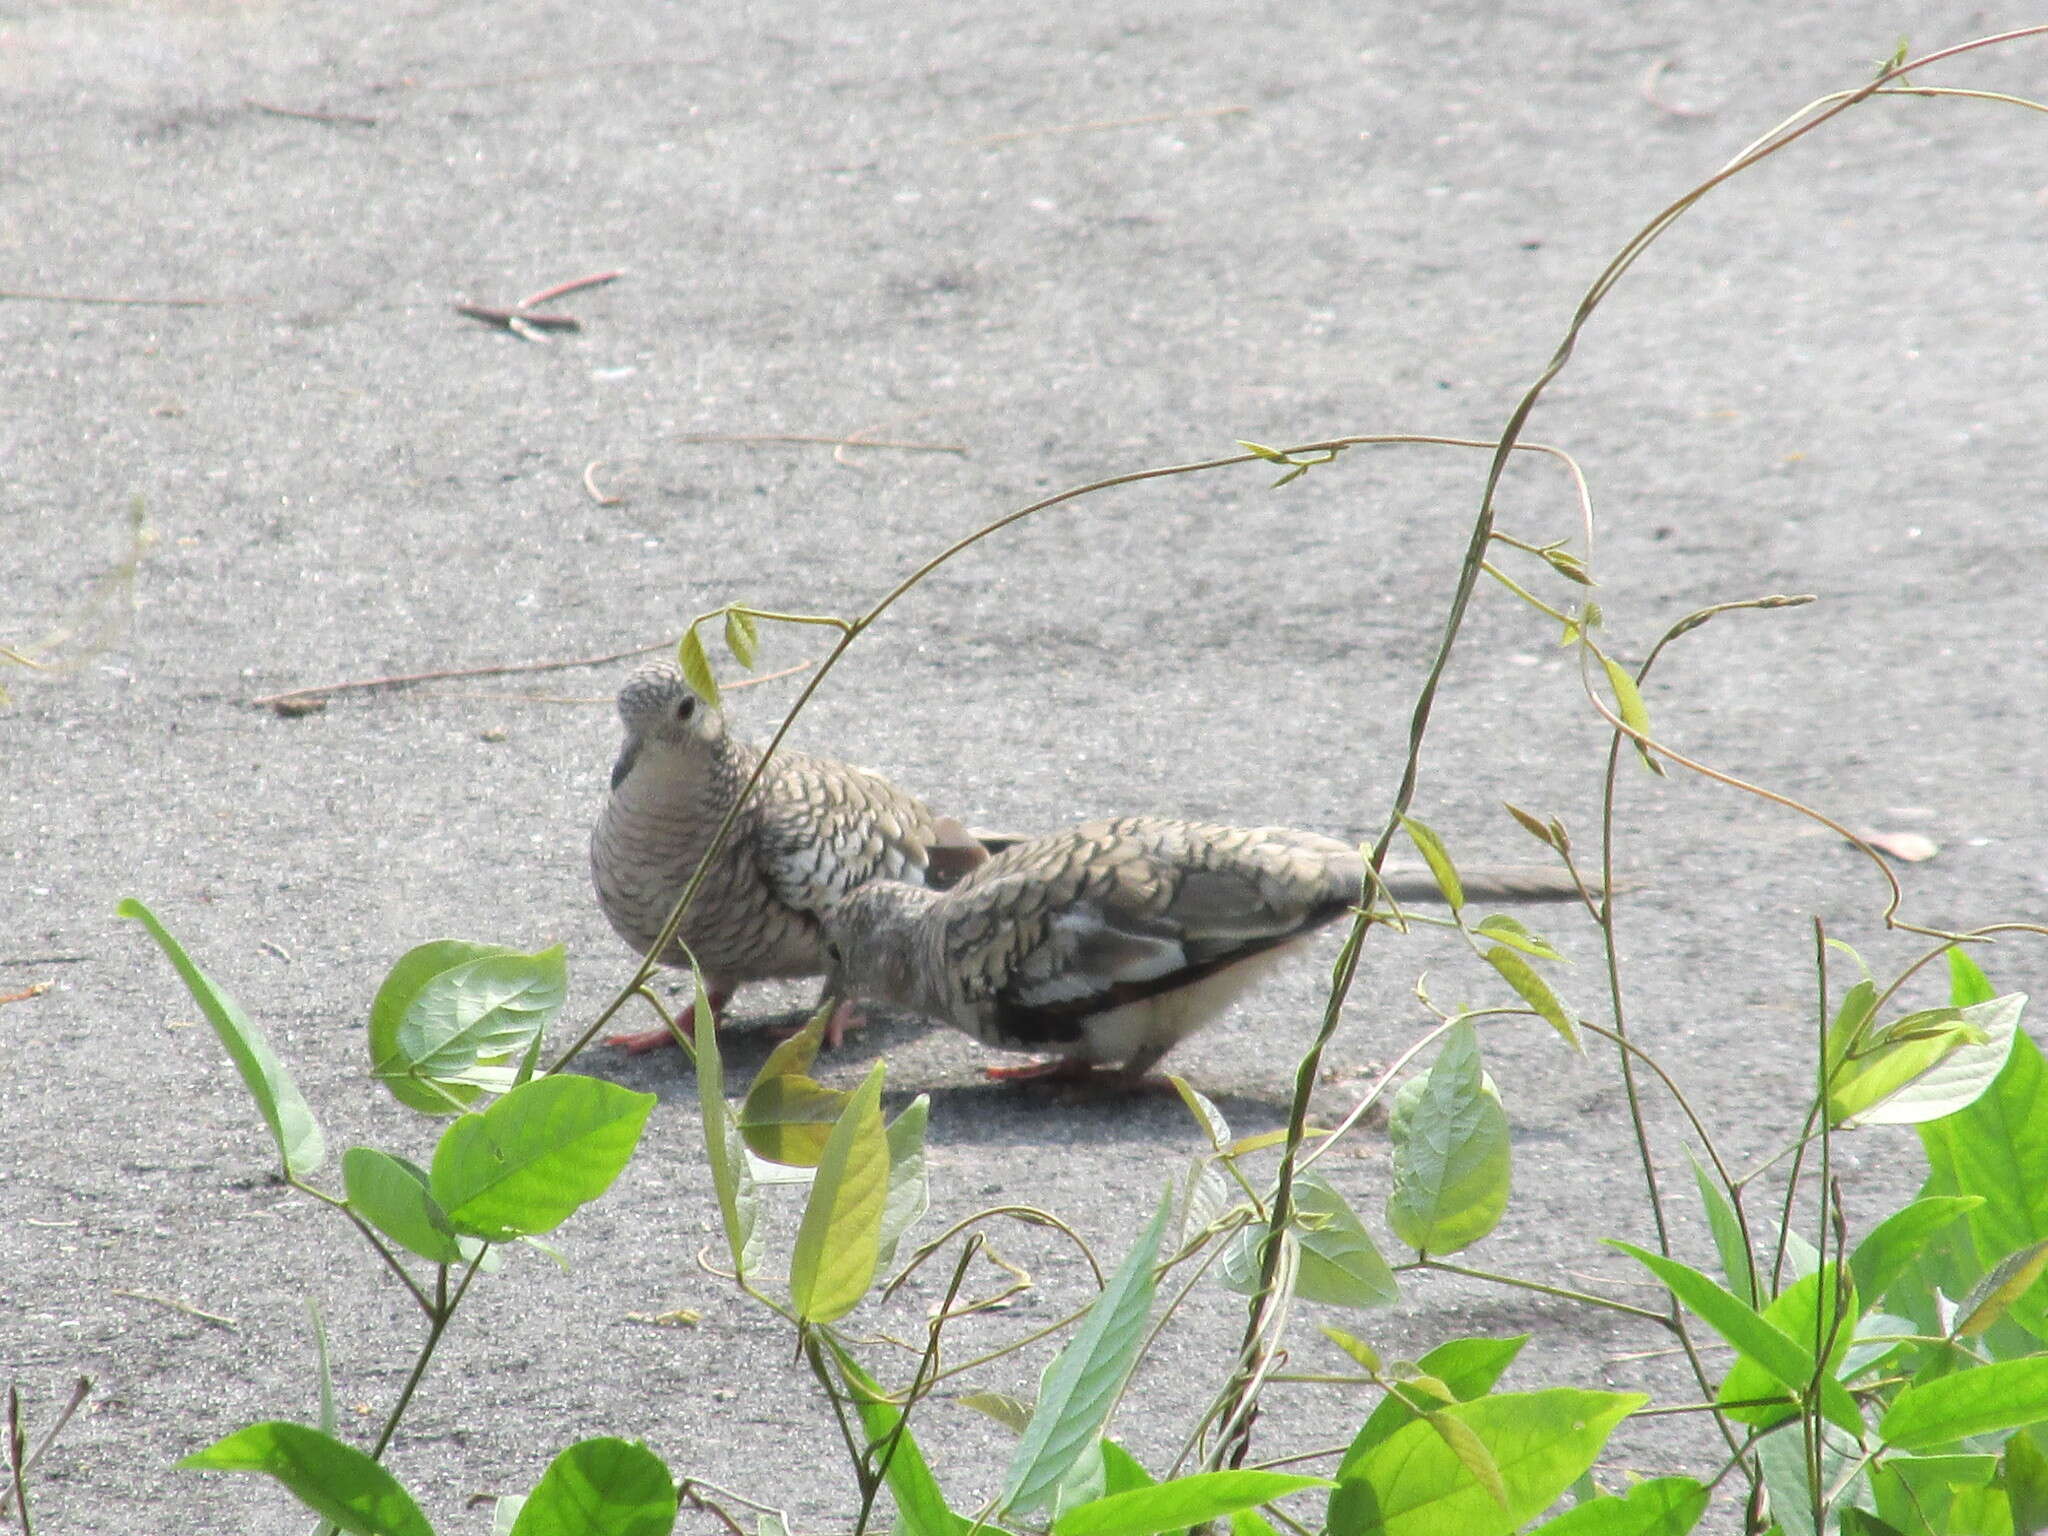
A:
x: 1584, y: 1298
x: 375, y: 1240
x: 443, y: 1313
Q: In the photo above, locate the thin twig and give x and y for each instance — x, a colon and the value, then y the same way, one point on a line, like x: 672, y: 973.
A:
x: 855, y: 441
x: 79, y: 1391
x: 17, y: 1455
x: 176, y: 1305
x: 526, y: 322
x: 868, y: 437
x: 590, y: 485
x: 352, y: 119
x: 403, y: 680
x: 48, y: 960
x: 574, y: 285
x: 1103, y: 124
x: 512, y: 319
x: 37, y: 989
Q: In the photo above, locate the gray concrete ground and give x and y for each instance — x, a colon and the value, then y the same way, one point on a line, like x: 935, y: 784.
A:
x: 1073, y: 241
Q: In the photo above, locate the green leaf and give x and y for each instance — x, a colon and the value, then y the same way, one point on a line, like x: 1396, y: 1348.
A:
x: 921, y: 1506
x: 1801, y: 1257
x: 794, y: 1056
x: 1120, y: 1469
x: 1862, y: 1088
x: 1340, y: 1267
x: 909, y: 1195
x: 1451, y: 1161
x: 1468, y: 1368
x: 1535, y: 991
x: 335, y: 1481
x: 1438, y: 858
x: 1997, y: 1148
x: 1628, y: 702
x: 1011, y: 1412
x: 1206, y: 1114
x: 1663, y: 1506
x: 1503, y: 929
x: 1183, y: 1502
x: 696, y: 667
x: 526, y: 1164
x: 1082, y: 1383
x: 391, y: 1195
x: 450, y: 1008
x: 1942, y: 1495
x: 1804, y: 1311
x: 2013, y: 1277
x: 1244, y: 1146
x: 789, y: 1119
x: 1789, y: 1362
x: 1364, y: 1354
x: 1729, y: 1242
x: 1569, y: 566
x: 300, y: 1146
x: 1977, y: 1401
x: 1465, y: 1444
x: 1531, y: 825
x: 1086, y: 1481
x: 833, y: 1262
x: 741, y: 637
x: 1891, y: 1245
x: 1852, y: 1019
x: 1958, y: 1076
x: 1966, y: 983
x: 1413, y: 1484
x: 1782, y: 1456
x: 738, y: 1206
x: 601, y: 1487
x: 2024, y: 1470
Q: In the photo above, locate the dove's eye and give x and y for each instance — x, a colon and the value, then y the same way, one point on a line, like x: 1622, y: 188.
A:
x: 685, y: 708
x: 832, y: 954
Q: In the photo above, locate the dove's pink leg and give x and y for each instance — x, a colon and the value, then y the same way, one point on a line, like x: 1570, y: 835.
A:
x: 638, y: 1042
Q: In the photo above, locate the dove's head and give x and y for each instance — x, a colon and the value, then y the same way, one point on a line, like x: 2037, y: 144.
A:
x: 660, y: 712
x: 871, y: 943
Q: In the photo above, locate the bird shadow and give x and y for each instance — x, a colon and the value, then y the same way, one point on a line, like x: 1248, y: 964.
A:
x: 970, y: 1112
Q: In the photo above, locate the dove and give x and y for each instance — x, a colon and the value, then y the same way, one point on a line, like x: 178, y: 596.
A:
x: 812, y: 831
x: 1114, y: 940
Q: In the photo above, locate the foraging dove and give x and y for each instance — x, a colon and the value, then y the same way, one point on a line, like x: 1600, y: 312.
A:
x: 812, y: 831
x: 1113, y: 940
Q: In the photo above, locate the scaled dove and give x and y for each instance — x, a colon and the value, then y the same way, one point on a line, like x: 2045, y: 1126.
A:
x: 1114, y: 940
x: 812, y: 831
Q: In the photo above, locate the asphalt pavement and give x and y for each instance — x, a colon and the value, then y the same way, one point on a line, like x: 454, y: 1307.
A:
x: 888, y: 274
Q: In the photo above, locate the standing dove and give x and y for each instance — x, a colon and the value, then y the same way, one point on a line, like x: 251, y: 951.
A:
x: 811, y: 832
x: 1114, y: 940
